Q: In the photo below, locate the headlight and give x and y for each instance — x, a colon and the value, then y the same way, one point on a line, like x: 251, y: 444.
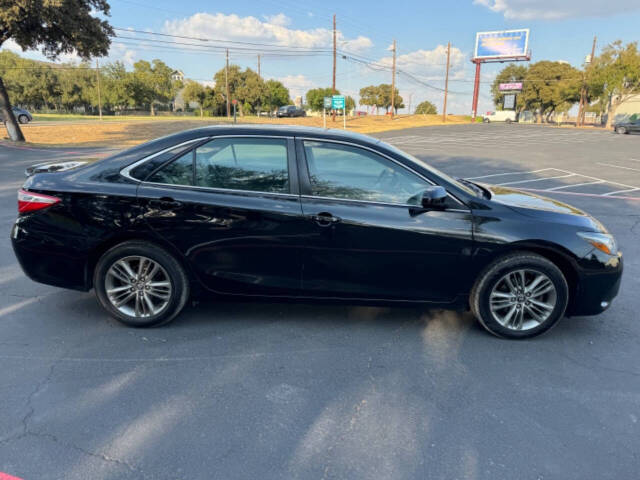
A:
x: 602, y: 241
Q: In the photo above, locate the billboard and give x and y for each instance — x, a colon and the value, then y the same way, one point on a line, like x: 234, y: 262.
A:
x: 502, y: 44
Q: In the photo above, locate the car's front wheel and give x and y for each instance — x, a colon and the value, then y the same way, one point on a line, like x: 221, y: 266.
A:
x: 23, y: 119
x: 141, y: 285
x: 520, y: 295
x: 621, y: 130
x: 486, y: 120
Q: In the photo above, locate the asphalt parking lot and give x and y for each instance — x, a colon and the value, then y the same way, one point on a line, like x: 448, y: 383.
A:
x: 274, y: 390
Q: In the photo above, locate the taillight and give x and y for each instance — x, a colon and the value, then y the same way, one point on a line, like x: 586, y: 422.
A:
x: 30, y: 202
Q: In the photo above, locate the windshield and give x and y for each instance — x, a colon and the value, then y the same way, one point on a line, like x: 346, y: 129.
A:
x: 476, y: 192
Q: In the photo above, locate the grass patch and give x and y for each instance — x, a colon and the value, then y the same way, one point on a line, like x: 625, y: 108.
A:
x: 124, y: 131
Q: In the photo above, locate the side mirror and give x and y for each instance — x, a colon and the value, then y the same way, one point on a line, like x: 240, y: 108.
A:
x: 433, y: 197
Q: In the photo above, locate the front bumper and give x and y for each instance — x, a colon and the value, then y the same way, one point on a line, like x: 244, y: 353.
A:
x: 599, y: 281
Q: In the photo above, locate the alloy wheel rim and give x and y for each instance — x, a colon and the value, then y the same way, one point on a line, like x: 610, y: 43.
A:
x: 138, y: 286
x: 523, y: 299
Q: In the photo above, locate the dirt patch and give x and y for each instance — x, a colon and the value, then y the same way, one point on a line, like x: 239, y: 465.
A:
x: 133, y: 131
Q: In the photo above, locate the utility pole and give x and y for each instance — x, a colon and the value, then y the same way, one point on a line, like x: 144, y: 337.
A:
x: 583, y: 92
x: 259, y: 65
x: 99, y: 96
x: 393, y: 80
x: 333, y: 84
x: 226, y: 82
x: 410, y: 97
x: 446, y: 84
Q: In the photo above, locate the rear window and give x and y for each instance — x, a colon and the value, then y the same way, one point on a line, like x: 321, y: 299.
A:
x: 143, y: 171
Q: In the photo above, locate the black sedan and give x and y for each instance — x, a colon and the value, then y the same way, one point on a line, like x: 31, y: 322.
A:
x: 307, y: 214
x: 627, y: 126
x: 290, y: 111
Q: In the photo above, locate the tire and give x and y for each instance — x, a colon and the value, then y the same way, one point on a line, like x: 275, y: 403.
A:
x: 621, y: 130
x: 486, y: 120
x: 23, y: 119
x: 169, y: 298
x: 493, y: 279
x: 507, y: 121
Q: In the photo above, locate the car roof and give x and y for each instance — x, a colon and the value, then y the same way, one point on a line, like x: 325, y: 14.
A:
x: 276, y: 130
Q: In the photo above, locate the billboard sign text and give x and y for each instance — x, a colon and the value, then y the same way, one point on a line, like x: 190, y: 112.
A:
x: 509, y: 87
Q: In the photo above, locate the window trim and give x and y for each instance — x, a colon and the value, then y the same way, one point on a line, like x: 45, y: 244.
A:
x: 301, y: 151
x: 126, y: 172
x: 291, y: 166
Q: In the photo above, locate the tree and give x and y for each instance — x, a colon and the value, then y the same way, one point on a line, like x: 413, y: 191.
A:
x: 276, y: 95
x: 349, y: 103
x: 152, y: 83
x: 369, y: 96
x: 617, y: 73
x: 315, y: 97
x: 55, y: 27
x: 117, y: 87
x: 194, y: 92
x: 509, y: 74
x: 550, y: 87
x: 426, y: 108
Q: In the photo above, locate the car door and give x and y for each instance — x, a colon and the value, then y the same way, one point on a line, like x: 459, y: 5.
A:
x: 368, y: 237
x: 231, y: 207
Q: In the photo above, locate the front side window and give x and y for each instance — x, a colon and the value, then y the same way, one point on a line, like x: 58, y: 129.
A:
x: 254, y: 164
x: 343, y: 171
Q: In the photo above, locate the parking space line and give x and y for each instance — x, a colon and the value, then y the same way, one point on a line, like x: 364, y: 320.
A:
x: 620, y: 191
x: 510, y: 173
x: 574, y: 185
x: 596, y: 178
x: 537, y: 179
x: 618, y: 166
x: 579, y: 194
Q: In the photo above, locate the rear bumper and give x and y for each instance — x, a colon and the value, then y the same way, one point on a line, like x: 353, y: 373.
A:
x: 598, y: 284
x: 51, y: 260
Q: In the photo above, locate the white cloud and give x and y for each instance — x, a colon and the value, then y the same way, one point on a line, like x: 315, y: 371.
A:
x: 119, y: 51
x: 298, y: 85
x: 557, y: 10
x: 12, y: 46
x: 280, y: 19
x: 234, y: 27
x: 430, y: 63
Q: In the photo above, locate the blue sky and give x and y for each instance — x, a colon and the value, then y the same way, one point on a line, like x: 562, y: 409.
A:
x: 560, y: 30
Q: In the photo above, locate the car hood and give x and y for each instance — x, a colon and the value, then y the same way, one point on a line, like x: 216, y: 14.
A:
x: 542, y: 208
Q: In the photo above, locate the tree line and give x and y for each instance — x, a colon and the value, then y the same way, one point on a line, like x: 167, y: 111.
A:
x: 607, y: 81
x: 148, y: 86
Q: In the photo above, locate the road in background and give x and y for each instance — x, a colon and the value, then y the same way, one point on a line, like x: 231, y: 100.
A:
x: 279, y: 390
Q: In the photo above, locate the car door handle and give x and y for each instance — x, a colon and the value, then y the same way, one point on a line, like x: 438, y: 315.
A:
x: 325, y: 219
x: 166, y: 203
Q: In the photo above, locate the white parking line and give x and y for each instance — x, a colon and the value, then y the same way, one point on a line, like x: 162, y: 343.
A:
x: 620, y: 191
x: 618, y: 166
x: 537, y: 179
x: 510, y: 173
x: 574, y: 185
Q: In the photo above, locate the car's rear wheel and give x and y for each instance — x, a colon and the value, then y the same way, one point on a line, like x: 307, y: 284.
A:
x: 141, y: 285
x: 621, y: 130
x: 520, y: 295
x: 23, y: 119
x: 486, y: 120
x: 508, y: 120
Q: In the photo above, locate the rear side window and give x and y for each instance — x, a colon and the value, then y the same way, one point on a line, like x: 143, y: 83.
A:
x: 253, y: 164
x: 178, y: 172
x: 141, y: 172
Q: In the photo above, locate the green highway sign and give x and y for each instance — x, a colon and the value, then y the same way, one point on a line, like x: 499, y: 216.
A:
x: 328, y: 102
x: 337, y: 102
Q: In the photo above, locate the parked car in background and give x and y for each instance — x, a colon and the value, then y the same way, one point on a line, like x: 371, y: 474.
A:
x: 307, y: 213
x: 506, y: 116
x: 291, y: 111
x: 22, y: 116
x: 628, y: 126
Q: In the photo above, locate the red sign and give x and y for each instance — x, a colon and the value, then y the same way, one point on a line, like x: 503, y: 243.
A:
x: 234, y: 101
